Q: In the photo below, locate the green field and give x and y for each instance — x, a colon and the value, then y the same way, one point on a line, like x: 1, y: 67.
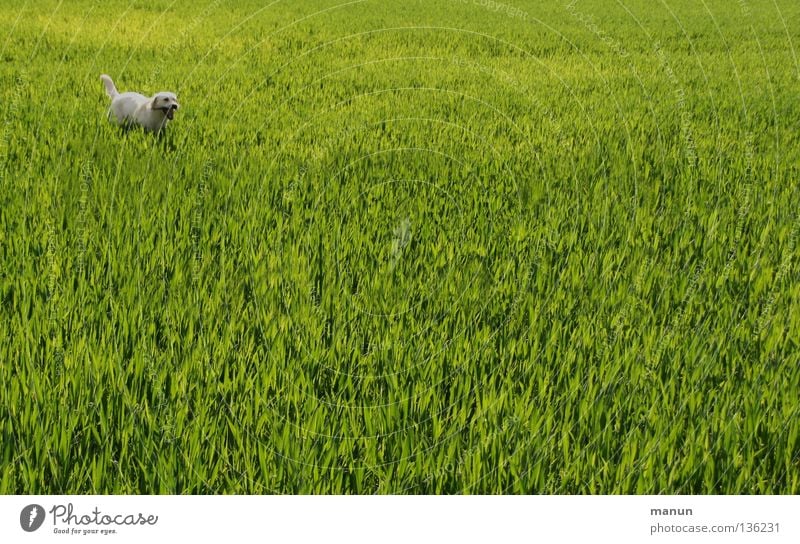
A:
x: 450, y: 246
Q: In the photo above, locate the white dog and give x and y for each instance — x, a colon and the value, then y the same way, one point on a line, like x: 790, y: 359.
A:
x: 135, y: 109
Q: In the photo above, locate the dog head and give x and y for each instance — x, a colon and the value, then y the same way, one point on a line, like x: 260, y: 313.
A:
x: 167, y: 103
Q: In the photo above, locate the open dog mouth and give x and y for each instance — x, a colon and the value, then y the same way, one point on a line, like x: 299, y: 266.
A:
x: 169, y: 111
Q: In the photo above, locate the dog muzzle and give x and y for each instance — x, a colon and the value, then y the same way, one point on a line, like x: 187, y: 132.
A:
x: 169, y: 112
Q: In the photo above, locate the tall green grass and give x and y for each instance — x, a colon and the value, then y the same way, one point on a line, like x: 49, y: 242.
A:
x: 412, y: 247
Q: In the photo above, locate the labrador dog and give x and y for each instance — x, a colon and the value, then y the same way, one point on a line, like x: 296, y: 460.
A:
x: 130, y: 109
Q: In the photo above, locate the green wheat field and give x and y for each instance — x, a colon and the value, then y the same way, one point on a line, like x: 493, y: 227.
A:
x: 439, y: 246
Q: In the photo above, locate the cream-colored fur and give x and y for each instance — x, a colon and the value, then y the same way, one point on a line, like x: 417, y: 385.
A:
x: 129, y: 108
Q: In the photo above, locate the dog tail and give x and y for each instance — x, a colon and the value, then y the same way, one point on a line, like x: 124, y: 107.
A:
x: 110, y: 88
